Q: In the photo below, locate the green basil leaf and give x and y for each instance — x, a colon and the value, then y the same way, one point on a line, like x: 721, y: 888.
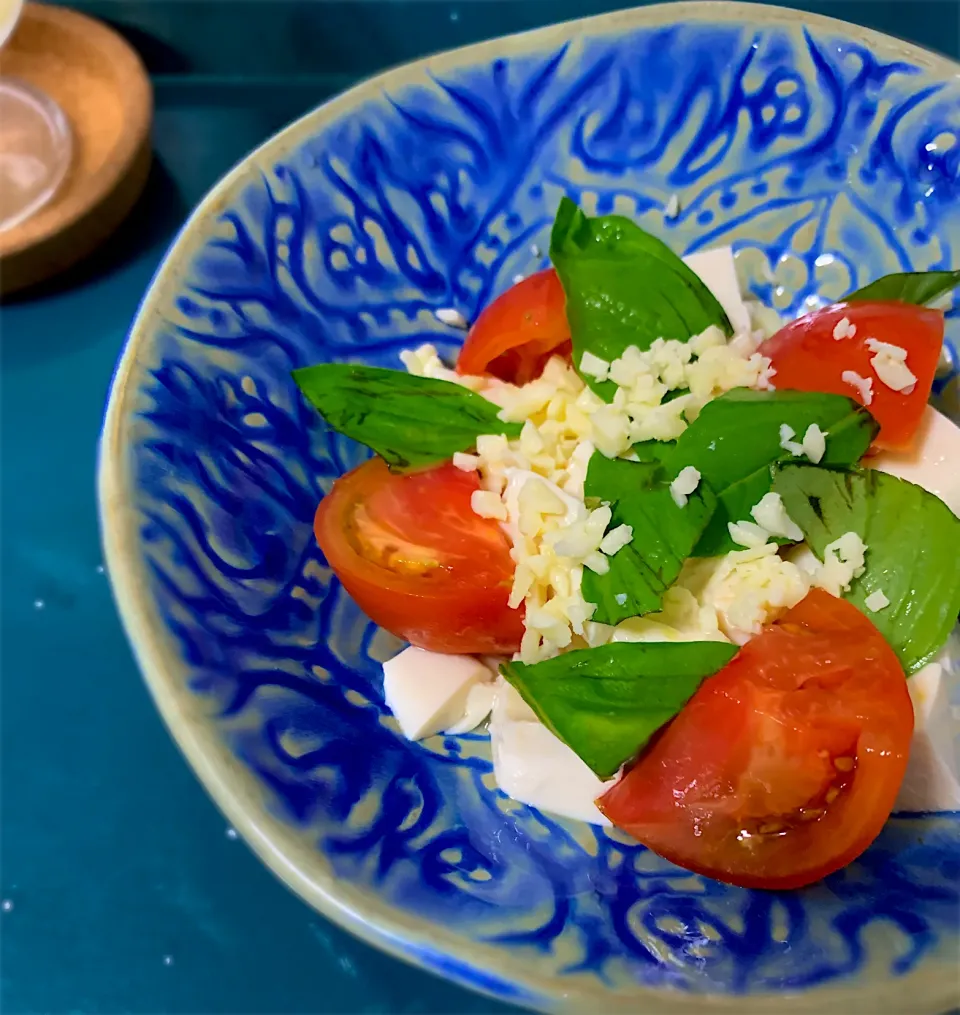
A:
x: 605, y: 703
x: 653, y: 451
x: 663, y: 536
x: 918, y: 287
x: 409, y: 421
x: 736, y: 438
x: 913, y: 543
x: 625, y: 287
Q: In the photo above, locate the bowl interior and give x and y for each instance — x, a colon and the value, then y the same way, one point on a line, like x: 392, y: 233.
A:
x: 827, y: 155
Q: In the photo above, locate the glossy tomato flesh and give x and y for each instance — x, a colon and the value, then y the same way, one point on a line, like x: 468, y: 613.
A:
x: 418, y: 561
x: 808, y: 358
x: 784, y: 766
x: 516, y: 334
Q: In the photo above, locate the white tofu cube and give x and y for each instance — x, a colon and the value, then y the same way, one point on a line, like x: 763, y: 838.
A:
x: 932, y: 463
x: 718, y: 272
x: 533, y: 766
x: 477, y: 708
x: 429, y: 692
x: 932, y: 779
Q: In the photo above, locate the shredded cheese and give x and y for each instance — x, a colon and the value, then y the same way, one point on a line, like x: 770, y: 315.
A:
x: 748, y: 534
x: 464, y: 462
x: 681, y: 618
x: 814, y: 443
x: 894, y: 351
x: 864, y: 385
x: 533, y: 485
x: 745, y: 588
x: 488, y: 505
x: 843, y: 561
x: 688, y: 479
x: 889, y: 363
x: 594, y: 367
x: 771, y: 515
x: 876, y: 601
x: 425, y: 362
x: 787, y: 433
x: 616, y: 539
x: 844, y: 329
x: 451, y: 317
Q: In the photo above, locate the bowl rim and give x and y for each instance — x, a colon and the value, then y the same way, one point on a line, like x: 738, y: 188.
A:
x: 232, y: 787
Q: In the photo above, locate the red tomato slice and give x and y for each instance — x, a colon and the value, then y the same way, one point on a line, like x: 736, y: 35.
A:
x: 808, y: 358
x: 418, y: 561
x: 783, y: 766
x: 515, y: 336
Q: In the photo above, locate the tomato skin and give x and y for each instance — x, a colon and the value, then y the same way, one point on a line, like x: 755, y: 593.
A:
x: 516, y: 334
x: 444, y: 573
x: 808, y: 358
x: 784, y: 766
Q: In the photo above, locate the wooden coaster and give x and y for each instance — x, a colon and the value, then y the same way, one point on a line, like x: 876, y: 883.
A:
x: 101, y: 85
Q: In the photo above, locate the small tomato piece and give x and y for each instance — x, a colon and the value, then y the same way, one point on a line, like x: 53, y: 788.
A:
x: 517, y: 334
x: 414, y: 556
x: 784, y: 766
x: 808, y: 357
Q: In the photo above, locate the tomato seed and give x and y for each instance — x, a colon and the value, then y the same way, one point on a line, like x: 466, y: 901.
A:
x: 843, y: 764
x: 832, y: 794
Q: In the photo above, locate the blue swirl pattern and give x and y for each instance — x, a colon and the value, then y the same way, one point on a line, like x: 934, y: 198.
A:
x: 822, y: 164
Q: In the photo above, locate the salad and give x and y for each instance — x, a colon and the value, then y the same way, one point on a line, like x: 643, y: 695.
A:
x: 695, y: 572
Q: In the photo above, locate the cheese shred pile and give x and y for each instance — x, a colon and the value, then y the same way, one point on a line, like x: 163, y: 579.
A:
x: 533, y: 486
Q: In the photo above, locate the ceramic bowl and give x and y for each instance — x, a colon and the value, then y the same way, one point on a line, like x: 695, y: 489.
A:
x: 827, y: 155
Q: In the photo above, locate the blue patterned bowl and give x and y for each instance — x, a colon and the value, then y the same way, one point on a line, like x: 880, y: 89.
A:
x: 828, y: 155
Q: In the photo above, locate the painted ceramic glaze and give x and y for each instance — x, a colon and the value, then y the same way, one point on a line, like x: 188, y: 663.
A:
x: 827, y: 156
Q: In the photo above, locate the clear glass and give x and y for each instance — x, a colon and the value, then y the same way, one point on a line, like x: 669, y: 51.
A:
x: 35, y: 141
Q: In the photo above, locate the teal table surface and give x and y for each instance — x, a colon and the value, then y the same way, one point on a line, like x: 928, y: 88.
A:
x: 121, y: 887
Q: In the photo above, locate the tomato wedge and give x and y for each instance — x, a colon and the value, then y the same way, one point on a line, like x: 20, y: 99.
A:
x: 783, y: 766
x: 808, y: 357
x: 418, y: 561
x: 515, y: 336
